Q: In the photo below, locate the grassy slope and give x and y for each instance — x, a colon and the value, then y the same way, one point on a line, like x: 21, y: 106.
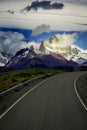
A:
x: 13, y: 77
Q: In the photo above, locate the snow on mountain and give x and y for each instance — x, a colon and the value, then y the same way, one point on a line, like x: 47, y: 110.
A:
x: 4, y: 58
x: 57, y: 47
x: 51, y: 54
x: 26, y: 58
x: 70, y: 52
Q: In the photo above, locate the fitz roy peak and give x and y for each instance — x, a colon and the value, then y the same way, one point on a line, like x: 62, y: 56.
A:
x: 70, y: 52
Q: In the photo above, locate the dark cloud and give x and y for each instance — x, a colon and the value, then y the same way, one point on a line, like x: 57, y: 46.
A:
x: 84, y: 24
x: 81, y: 24
x: 10, y: 11
x: 44, y: 5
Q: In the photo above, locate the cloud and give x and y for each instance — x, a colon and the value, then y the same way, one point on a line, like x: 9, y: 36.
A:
x: 66, y: 39
x: 40, y: 29
x: 61, y: 40
x: 11, y: 42
x: 47, y: 5
x: 35, y: 45
x: 10, y: 11
x: 72, y: 17
x: 81, y: 24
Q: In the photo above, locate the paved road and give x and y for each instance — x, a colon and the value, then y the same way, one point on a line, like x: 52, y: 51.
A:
x: 51, y: 106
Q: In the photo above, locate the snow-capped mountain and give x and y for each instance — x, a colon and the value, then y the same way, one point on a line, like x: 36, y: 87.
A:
x: 4, y: 58
x: 26, y: 58
x: 70, y: 52
x: 52, y: 53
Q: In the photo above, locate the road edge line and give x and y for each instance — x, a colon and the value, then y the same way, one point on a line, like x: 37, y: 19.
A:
x: 75, y: 88
x: 2, y: 115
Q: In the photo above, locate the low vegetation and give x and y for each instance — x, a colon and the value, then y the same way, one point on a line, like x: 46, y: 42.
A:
x: 11, y: 78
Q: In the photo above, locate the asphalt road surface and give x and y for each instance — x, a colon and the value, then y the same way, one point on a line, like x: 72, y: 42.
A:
x: 53, y: 105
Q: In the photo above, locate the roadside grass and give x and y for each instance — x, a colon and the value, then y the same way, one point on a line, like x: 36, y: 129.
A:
x: 11, y: 78
x: 82, y: 88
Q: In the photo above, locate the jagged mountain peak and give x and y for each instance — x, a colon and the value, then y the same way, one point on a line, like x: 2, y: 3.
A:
x: 51, y: 60
x: 22, y: 51
x: 70, y: 52
x: 54, y: 39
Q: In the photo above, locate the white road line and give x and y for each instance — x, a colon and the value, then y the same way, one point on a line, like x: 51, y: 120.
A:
x: 78, y: 93
x: 23, y: 97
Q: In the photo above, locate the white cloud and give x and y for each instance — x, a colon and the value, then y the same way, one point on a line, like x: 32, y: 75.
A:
x: 40, y: 29
x: 66, y: 39
x: 35, y: 45
x: 61, y: 40
x: 11, y: 42
x: 73, y: 17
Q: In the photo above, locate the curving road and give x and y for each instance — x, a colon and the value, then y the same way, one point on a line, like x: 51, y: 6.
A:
x: 53, y: 105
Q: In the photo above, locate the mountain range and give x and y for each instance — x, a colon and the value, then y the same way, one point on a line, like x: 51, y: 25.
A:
x: 50, y: 54
x: 26, y: 58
